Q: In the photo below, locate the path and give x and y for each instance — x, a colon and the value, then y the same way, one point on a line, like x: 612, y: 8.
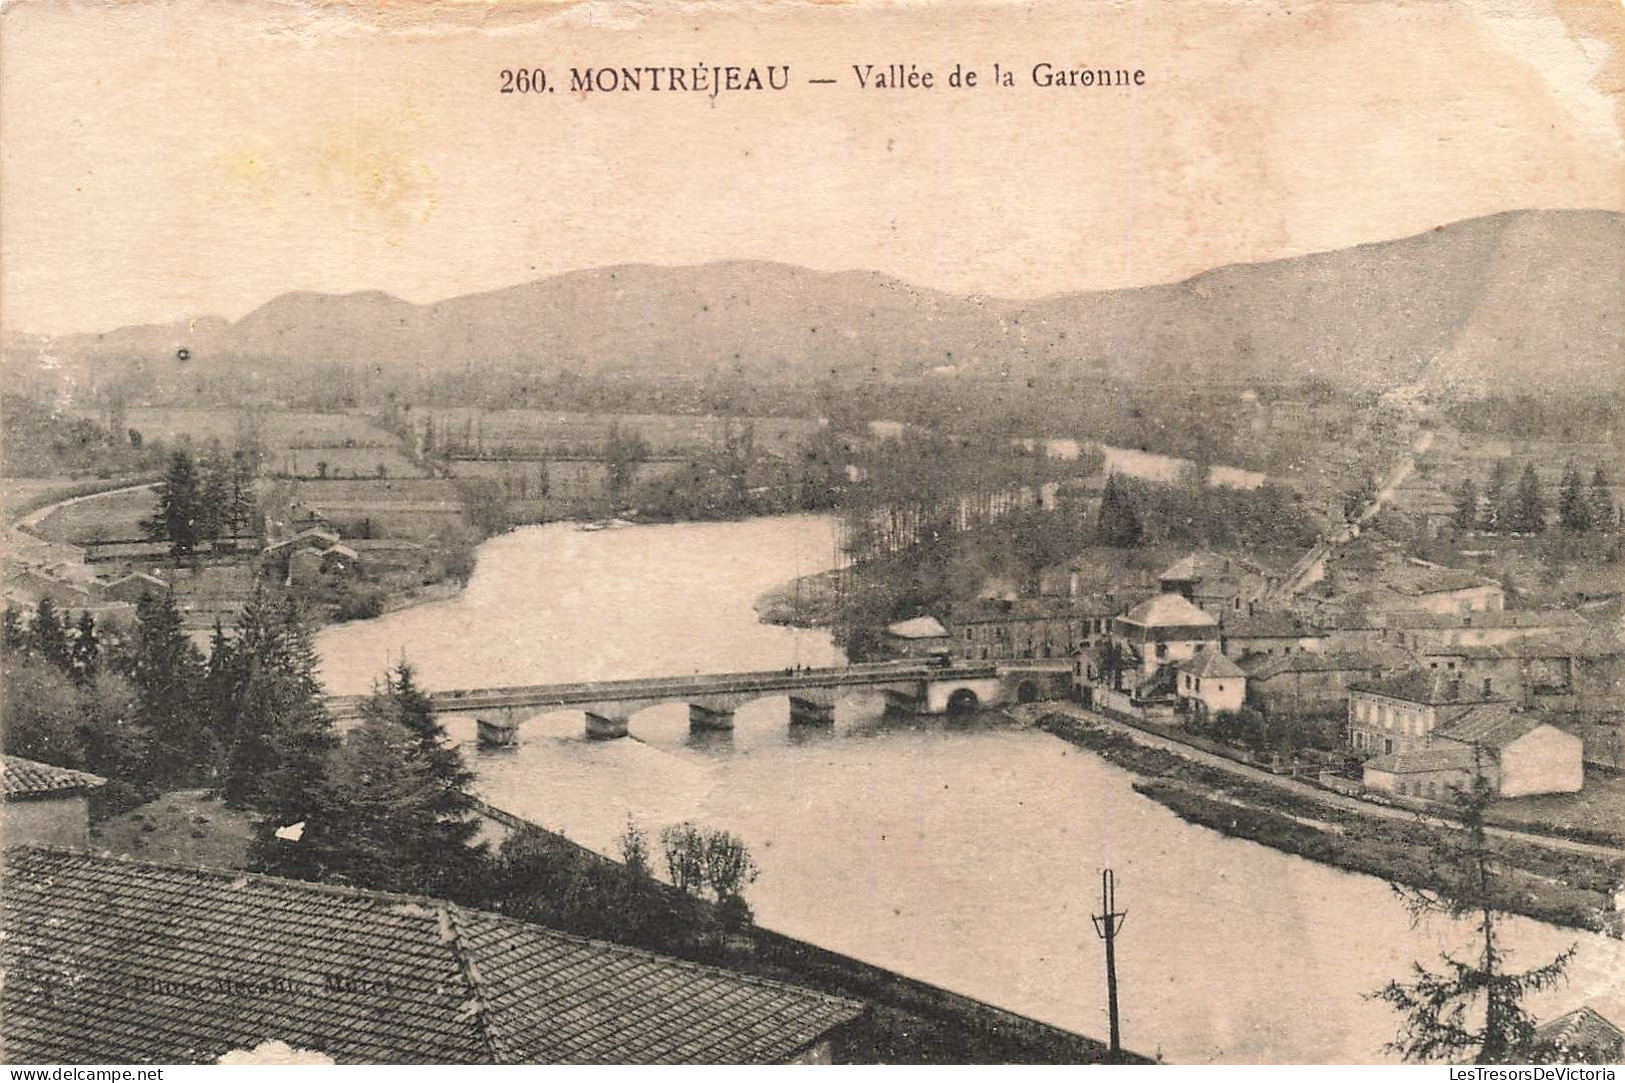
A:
x: 1329, y: 798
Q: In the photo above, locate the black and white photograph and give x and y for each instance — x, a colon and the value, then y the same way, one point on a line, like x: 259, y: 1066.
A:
x: 883, y: 532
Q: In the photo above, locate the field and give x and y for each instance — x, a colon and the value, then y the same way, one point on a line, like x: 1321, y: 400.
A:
x: 341, y: 462
x: 277, y: 428
x: 560, y: 432
x: 111, y: 517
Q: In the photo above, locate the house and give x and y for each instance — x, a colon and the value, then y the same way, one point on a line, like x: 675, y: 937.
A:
x: 1583, y: 1036
x: 1249, y: 634
x: 275, y: 558
x: 1218, y: 584
x: 1316, y: 682
x: 1023, y: 628
x: 1163, y: 631
x: 919, y: 637
x: 1449, y: 590
x: 46, y: 805
x: 1531, y: 756
x: 1420, y: 629
x: 1400, y: 713
x: 1211, y: 683
x: 340, y: 559
x: 111, y: 961
x: 132, y: 587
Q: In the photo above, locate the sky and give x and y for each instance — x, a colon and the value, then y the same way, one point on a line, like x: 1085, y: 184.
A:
x: 171, y: 160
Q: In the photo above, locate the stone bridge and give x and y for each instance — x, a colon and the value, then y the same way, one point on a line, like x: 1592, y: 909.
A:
x: 924, y: 687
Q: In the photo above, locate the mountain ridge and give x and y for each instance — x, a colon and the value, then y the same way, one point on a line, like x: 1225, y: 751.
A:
x: 1502, y: 300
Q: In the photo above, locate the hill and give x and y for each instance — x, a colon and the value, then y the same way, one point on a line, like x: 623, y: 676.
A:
x: 1512, y: 300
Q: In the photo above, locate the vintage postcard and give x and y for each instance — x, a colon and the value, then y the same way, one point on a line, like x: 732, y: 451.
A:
x: 876, y: 532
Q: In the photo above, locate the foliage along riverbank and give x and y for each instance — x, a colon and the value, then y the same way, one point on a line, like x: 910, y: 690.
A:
x: 810, y: 601
x: 1569, y: 889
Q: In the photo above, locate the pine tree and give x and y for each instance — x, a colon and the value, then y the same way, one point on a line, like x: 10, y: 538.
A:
x: 1119, y: 523
x: 242, y: 504
x: 1472, y: 1007
x: 166, y: 670
x: 51, y: 637
x: 86, y: 649
x: 1467, y: 504
x: 1573, y: 502
x: 13, y: 636
x: 1603, y: 515
x: 1499, y: 495
x: 214, y: 497
x: 283, y: 732
x: 1529, y: 514
x: 405, y: 816
x: 180, y: 508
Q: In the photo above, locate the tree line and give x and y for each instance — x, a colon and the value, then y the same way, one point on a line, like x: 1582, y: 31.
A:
x: 1522, y: 508
x: 204, y: 502
x: 388, y: 806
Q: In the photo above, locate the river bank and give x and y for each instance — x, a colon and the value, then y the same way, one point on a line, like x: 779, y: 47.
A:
x: 809, y: 601
x: 1568, y: 889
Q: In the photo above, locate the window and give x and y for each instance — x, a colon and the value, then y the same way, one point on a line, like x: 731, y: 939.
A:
x: 1387, y: 746
x: 1486, y: 686
x: 1399, y: 788
x: 1162, y: 650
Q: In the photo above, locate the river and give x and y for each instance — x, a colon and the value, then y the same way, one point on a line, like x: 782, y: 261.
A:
x: 964, y: 854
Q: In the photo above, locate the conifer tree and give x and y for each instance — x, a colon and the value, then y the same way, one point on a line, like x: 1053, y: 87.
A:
x: 283, y: 732
x: 1603, y: 515
x: 1119, y: 520
x: 1499, y: 496
x: 86, y: 649
x: 404, y: 814
x: 1529, y: 514
x: 50, y: 637
x: 1473, y: 1006
x: 1467, y: 504
x: 180, y: 508
x: 1573, y: 501
x: 166, y: 669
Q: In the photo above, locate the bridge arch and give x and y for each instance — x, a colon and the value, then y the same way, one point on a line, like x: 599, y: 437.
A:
x: 964, y: 701
x: 1028, y: 692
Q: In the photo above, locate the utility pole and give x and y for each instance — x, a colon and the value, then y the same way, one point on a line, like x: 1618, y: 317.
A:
x: 1108, y: 923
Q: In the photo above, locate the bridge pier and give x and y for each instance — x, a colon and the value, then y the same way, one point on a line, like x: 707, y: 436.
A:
x: 603, y: 727
x: 709, y: 719
x: 806, y: 712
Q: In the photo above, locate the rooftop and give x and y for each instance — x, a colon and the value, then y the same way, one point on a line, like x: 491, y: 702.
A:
x: 1583, y: 1029
x: 1502, y: 618
x: 1168, y: 610
x: 138, y: 955
x: 1424, y: 686
x: 1211, y: 664
x: 1263, y: 667
x: 1442, y: 581
x: 917, y: 628
x: 26, y: 778
x: 1267, y: 625
x: 1492, y: 725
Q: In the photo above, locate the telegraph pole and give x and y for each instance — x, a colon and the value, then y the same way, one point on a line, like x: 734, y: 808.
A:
x: 1107, y: 925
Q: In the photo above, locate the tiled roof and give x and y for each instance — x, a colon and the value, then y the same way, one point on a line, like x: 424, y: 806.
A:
x: 1267, y: 625
x: 1583, y: 1030
x: 1424, y: 686
x: 25, y: 778
x: 1492, y: 725
x: 138, y: 957
x: 1263, y: 667
x: 1168, y: 610
x: 1211, y: 664
x: 1504, y: 618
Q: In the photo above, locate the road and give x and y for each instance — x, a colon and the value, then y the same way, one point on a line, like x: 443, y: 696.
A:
x: 1331, y: 799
